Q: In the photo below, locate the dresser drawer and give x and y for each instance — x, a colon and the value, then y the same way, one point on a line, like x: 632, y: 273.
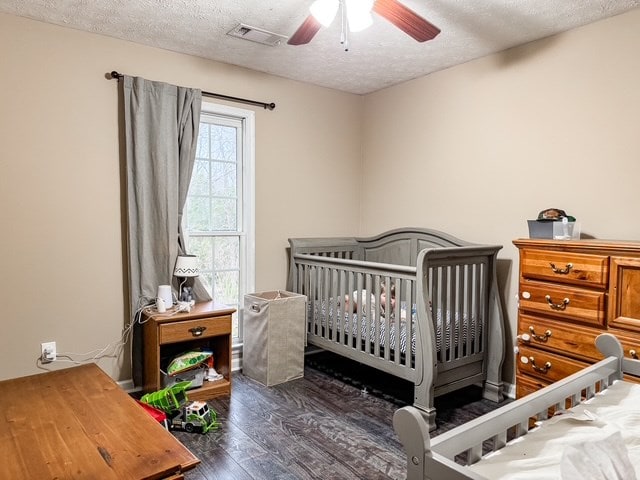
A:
x: 566, y: 302
x: 194, y: 329
x: 526, y: 385
x: 545, y: 365
x: 557, y: 335
x: 565, y: 267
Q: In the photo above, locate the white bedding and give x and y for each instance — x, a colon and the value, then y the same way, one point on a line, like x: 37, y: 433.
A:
x: 537, y: 455
x: 351, y: 323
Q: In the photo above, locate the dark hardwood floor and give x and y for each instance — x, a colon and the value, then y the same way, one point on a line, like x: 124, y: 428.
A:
x: 335, y: 423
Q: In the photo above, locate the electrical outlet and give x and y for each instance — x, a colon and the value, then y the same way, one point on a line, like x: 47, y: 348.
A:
x: 48, y: 352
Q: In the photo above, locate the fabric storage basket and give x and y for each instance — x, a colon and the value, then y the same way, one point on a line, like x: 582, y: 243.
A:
x: 274, y: 336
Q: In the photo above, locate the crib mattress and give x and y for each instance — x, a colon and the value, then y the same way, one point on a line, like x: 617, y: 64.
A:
x: 538, y: 454
x: 325, y: 316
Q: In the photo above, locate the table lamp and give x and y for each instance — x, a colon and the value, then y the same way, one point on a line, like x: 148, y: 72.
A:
x: 186, y: 267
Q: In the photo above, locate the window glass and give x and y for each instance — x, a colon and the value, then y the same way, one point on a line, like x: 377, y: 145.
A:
x: 218, y: 220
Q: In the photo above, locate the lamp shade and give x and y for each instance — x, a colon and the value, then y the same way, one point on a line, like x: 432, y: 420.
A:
x: 359, y: 14
x: 324, y: 11
x: 186, y: 266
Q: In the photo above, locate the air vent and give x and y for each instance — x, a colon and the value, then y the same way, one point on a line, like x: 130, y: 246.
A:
x: 257, y: 35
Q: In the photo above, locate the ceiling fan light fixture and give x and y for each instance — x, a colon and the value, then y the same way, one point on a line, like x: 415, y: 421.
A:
x: 324, y: 11
x: 359, y: 14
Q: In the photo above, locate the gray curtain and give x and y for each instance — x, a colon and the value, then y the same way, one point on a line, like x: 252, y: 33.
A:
x: 161, y: 131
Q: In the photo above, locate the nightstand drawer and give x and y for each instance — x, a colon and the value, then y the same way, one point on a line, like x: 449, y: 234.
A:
x: 555, y: 335
x: 569, y: 303
x: 194, y: 329
x: 565, y: 267
x: 545, y: 365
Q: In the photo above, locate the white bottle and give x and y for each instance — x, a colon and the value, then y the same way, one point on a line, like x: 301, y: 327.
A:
x: 160, y: 306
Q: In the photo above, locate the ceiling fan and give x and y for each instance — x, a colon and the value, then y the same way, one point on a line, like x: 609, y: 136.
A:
x: 356, y: 15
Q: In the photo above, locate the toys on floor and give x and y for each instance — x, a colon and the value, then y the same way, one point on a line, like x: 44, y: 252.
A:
x: 156, y: 413
x: 181, y: 413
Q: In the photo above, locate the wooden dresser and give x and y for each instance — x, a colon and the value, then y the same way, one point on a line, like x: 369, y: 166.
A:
x: 569, y: 293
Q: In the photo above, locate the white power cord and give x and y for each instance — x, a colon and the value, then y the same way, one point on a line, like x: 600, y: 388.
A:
x: 113, y: 349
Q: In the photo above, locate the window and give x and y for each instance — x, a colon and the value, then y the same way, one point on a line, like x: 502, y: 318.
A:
x: 219, y: 213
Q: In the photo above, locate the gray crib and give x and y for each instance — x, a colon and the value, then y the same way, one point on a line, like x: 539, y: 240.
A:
x: 413, y: 302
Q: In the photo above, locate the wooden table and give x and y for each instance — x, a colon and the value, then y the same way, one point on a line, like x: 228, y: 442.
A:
x: 78, y: 423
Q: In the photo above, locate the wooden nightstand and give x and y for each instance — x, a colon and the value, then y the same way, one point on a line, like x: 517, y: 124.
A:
x: 207, y: 326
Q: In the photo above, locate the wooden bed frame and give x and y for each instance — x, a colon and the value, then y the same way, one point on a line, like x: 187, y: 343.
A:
x: 447, y: 286
x: 434, y: 459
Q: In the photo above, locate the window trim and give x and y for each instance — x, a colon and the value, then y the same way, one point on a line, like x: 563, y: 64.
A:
x: 248, y: 259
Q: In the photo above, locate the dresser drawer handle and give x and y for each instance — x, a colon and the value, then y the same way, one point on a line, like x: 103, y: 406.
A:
x: 545, y: 369
x: 540, y: 338
x: 557, y: 306
x: 633, y: 354
x: 561, y: 271
x: 197, y: 331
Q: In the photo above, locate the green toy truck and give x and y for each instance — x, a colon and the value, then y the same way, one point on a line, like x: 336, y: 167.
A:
x: 182, y: 414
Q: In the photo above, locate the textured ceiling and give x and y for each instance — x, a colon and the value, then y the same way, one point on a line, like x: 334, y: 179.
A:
x: 379, y: 57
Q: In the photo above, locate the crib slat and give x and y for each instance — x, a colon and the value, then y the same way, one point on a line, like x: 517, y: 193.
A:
x: 406, y: 323
x: 474, y: 454
x: 358, y: 322
x: 457, y: 315
x: 387, y: 323
x: 311, y: 284
x: 332, y: 325
x: 377, y: 318
x: 339, y: 318
x: 499, y: 441
x: 476, y: 307
x: 347, y: 320
x: 435, y: 308
x: 484, y: 301
x: 395, y: 322
x: 367, y: 321
x: 443, y: 312
x: 451, y: 302
x: 472, y: 320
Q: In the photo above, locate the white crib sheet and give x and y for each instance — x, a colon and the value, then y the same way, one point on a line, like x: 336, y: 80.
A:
x: 321, y: 313
x: 537, y: 455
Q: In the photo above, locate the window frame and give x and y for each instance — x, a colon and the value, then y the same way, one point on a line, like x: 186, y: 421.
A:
x: 245, y: 194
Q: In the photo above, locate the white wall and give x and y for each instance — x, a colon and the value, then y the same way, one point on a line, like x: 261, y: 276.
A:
x: 60, y: 180
x: 478, y: 149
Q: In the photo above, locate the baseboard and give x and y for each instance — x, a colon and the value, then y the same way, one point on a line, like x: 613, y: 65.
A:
x: 128, y: 386
x: 236, y: 358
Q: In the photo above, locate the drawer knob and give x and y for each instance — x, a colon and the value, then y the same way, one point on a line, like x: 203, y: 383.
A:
x: 540, y: 338
x: 544, y: 369
x: 561, y: 271
x: 633, y: 354
x: 557, y: 306
x: 197, y: 331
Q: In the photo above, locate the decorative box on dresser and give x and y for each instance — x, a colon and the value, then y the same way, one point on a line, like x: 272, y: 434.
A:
x: 207, y: 327
x: 571, y: 291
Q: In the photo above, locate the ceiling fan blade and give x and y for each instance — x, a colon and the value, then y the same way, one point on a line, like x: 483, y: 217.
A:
x: 305, y: 32
x: 406, y: 20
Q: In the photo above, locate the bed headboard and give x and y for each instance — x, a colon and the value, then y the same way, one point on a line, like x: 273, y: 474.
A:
x: 401, y: 246
x: 398, y: 247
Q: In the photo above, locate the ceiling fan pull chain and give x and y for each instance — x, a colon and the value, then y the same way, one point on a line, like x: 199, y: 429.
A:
x: 344, y: 33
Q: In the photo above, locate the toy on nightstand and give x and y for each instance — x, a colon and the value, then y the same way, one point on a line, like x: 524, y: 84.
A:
x: 183, y: 414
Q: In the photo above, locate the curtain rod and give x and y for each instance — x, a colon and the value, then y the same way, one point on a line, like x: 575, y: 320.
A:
x: 266, y: 106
